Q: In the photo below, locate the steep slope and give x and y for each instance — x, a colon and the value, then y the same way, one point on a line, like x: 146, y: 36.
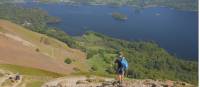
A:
x: 26, y: 48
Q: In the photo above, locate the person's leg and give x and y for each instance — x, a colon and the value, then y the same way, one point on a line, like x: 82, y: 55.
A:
x: 120, y: 78
x: 118, y: 75
x: 122, y: 75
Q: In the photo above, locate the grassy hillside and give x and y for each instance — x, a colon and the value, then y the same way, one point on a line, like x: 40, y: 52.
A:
x: 146, y: 59
x: 29, y: 46
x: 33, y: 19
x: 25, y: 58
x: 44, y: 43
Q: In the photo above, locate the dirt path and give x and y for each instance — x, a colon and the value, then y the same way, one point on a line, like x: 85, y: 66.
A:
x: 82, y: 81
x: 78, y: 81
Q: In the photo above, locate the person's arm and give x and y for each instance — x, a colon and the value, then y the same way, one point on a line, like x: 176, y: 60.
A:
x: 115, y: 64
x: 115, y: 61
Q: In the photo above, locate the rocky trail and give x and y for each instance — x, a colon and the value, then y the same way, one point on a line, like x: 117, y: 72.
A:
x: 8, y: 79
x: 109, y: 82
x: 79, y: 81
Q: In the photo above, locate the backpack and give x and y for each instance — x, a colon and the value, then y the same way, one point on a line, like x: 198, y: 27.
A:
x: 124, y: 63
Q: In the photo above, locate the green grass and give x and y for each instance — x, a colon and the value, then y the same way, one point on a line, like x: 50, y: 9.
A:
x: 29, y: 71
x: 101, y: 65
x: 93, y: 47
x: 97, y: 61
x: 91, y: 37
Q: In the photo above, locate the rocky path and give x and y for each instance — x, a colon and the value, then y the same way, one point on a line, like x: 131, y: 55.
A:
x: 108, y: 82
x: 93, y: 81
x: 78, y: 81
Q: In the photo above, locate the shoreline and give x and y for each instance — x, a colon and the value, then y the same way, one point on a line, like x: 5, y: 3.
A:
x: 71, y: 3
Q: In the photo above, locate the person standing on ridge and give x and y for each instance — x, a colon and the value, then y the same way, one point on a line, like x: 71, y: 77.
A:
x: 122, y: 66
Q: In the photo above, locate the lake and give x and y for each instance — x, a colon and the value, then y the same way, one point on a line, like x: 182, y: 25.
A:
x: 174, y: 30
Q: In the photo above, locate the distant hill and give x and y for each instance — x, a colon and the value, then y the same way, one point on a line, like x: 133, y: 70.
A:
x: 12, y: 1
x: 191, y: 5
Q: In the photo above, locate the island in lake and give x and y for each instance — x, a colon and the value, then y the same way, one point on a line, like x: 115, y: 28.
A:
x: 157, y: 14
x: 119, y: 16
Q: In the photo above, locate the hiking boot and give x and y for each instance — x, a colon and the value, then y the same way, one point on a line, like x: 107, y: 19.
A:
x: 115, y: 83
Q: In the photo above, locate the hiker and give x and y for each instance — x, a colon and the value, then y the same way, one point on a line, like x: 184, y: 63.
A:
x: 122, y: 66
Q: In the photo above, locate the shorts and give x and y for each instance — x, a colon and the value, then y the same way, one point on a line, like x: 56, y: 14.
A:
x: 120, y: 71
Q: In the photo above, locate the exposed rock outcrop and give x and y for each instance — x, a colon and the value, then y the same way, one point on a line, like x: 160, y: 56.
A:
x: 106, y: 82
